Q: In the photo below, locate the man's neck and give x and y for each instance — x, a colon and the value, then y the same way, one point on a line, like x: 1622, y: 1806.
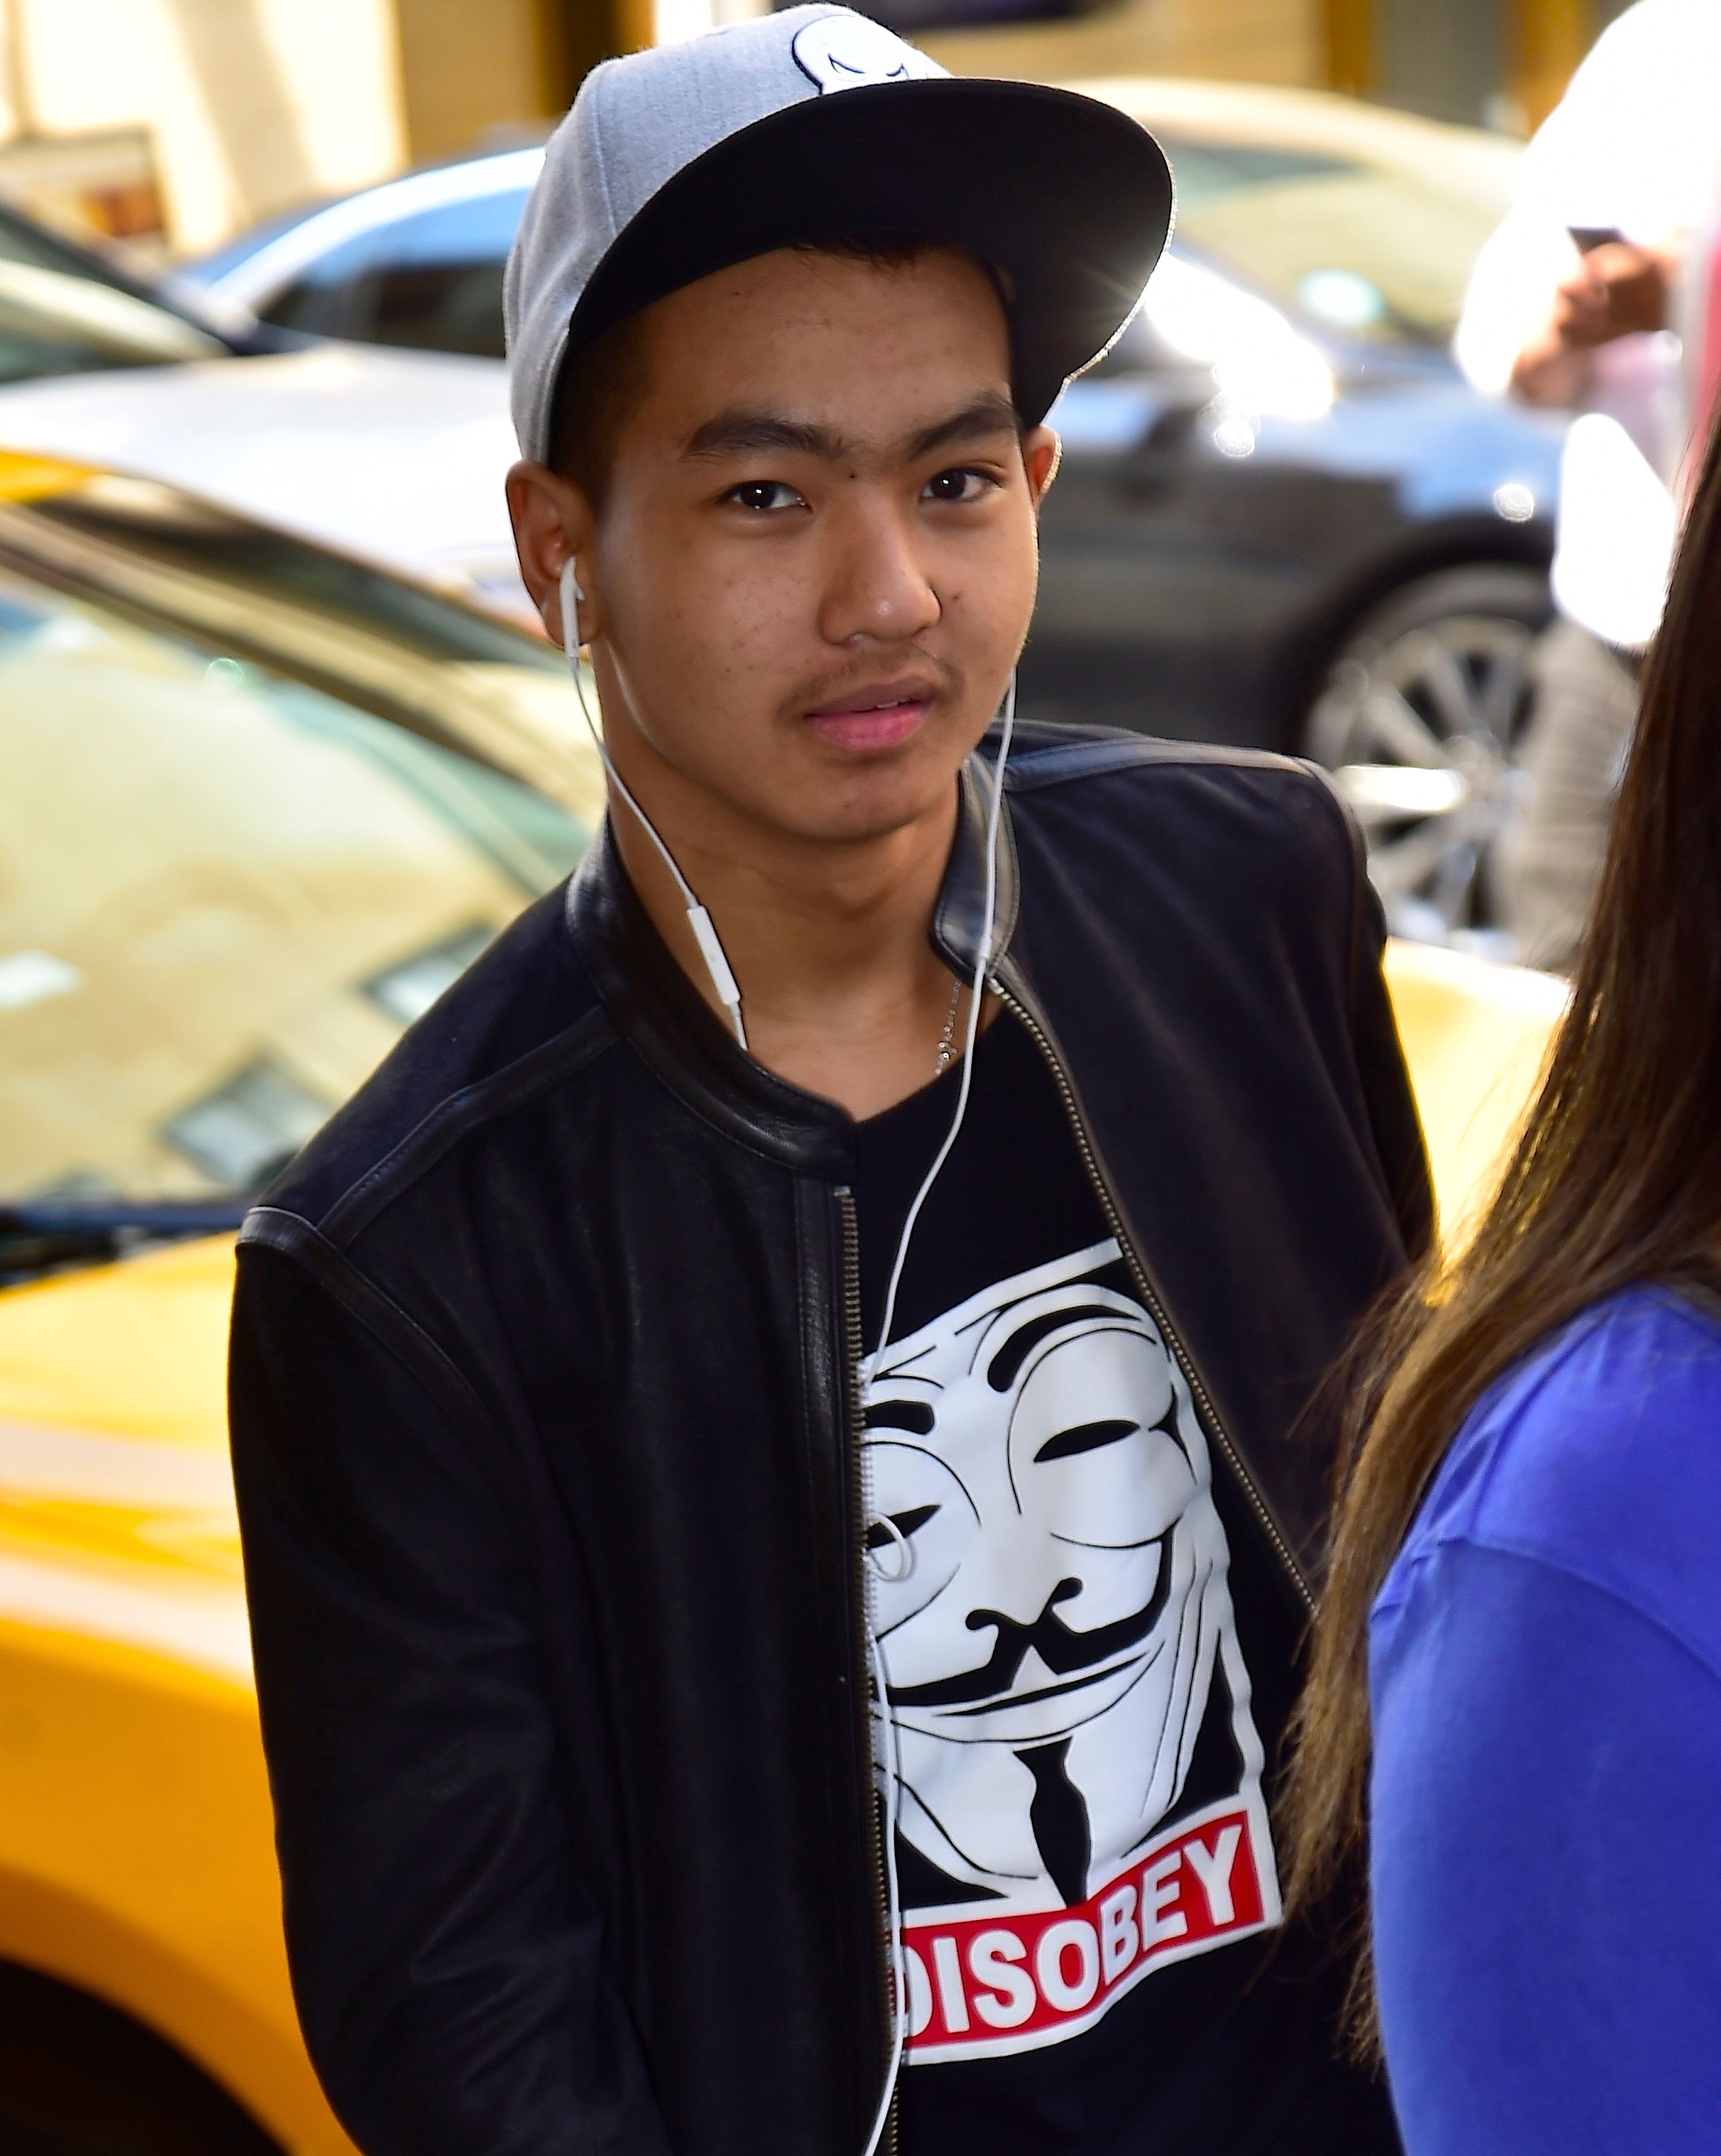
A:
x: 842, y: 994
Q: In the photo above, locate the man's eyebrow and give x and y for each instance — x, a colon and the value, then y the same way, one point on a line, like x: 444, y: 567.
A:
x: 738, y: 434
x: 987, y: 415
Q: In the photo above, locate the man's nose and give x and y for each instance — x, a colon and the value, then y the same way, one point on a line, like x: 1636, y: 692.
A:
x: 876, y: 585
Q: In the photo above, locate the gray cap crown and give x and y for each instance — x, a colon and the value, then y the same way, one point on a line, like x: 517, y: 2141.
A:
x: 634, y: 125
x: 817, y: 123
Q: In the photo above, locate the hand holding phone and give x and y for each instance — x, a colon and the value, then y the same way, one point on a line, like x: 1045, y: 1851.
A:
x: 1619, y: 290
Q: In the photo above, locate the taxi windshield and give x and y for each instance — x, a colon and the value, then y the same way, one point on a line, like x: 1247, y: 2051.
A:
x: 262, y: 806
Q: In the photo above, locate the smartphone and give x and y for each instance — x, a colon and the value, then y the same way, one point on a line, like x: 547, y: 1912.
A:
x: 1587, y: 238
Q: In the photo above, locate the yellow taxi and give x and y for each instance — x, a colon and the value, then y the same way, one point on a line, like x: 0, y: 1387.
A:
x: 261, y: 805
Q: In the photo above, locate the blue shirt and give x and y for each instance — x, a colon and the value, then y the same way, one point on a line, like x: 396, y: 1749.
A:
x: 1545, y: 1666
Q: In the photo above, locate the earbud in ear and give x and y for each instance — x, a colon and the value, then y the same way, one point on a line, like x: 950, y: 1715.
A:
x: 571, y: 596
x: 728, y: 993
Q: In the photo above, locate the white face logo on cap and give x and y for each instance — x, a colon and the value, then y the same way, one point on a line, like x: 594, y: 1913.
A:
x: 843, y: 51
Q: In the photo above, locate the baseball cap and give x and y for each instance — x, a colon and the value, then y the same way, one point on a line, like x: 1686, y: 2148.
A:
x: 815, y: 124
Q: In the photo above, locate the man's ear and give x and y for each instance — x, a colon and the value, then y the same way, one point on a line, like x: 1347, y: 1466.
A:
x: 1042, y: 453
x: 551, y: 519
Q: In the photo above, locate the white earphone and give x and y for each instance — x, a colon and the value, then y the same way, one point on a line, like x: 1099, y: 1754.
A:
x: 728, y: 990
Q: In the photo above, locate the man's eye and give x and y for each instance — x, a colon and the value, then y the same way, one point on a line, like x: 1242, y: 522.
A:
x: 764, y: 494
x: 961, y: 485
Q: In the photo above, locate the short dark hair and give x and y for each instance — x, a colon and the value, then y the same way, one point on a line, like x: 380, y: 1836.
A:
x: 600, y: 388
x: 602, y: 383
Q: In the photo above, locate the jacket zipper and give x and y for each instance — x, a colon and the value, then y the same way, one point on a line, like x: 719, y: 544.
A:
x: 1155, y: 1302
x: 854, y: 1351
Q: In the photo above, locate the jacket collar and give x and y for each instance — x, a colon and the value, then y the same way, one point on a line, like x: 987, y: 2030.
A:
x: 657, y: 1009
x: 958, y: 918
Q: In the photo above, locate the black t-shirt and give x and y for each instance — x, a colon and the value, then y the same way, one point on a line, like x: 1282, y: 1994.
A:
x: 1090, y: 1656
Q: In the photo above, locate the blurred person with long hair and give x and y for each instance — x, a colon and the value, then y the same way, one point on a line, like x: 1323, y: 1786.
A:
x: 1515, y: 1698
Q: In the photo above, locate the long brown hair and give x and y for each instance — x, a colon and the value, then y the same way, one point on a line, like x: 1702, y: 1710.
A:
x: 1616, y: 1178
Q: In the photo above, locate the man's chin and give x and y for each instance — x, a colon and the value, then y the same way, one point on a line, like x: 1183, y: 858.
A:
x: 856, y: 806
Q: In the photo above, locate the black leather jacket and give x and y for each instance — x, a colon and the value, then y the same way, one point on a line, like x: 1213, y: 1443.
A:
x: 543, y: 1398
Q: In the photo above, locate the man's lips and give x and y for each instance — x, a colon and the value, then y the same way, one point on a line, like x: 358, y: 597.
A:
x: 875, y: 718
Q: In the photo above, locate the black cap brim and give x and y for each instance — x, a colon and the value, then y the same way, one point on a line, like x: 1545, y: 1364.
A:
x: 1069, y: 198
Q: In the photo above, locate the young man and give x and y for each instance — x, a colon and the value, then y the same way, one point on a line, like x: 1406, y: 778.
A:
x: 662, y: 1611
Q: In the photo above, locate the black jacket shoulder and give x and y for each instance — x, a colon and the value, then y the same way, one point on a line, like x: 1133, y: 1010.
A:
x: 1242, y: 797
x: 1244, y: 843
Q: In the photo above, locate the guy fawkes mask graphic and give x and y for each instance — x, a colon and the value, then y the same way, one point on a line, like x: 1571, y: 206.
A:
x: 1054, y: 1595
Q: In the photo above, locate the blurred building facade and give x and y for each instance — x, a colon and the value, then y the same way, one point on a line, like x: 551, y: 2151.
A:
x: 179, y: 120
x: 1498, y: 63
x: 172, y: 123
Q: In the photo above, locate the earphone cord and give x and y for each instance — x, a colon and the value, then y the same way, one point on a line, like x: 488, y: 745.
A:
x: 971, y: 1032
x: 891, y: 1765
x: 705, y: 934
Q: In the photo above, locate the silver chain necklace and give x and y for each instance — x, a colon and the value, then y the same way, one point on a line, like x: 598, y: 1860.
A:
x: 947, y: 1042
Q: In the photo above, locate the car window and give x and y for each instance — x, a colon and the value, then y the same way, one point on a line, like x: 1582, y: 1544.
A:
x: 1373, y: 253
x: 225, y: 891
x: 209, y: 269
x: 433, y: 281
x: 57, y: 317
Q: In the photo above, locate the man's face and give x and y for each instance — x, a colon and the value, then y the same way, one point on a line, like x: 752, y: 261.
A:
x: 817, y: 560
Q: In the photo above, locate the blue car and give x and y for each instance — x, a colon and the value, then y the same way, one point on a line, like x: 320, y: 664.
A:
x: 1282, y: 519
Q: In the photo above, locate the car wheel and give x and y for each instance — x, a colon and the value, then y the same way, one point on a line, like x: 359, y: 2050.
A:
x: 1420, y: 721
x: 77, y: 2078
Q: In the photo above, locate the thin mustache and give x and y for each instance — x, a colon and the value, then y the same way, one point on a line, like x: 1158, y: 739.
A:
x: 945, y: 679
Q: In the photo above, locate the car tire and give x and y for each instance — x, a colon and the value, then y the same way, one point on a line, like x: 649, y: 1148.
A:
x: 78, y: 2078
x: 1421, y: 719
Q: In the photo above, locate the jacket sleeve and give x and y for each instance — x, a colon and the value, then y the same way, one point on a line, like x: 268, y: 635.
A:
x: 445, y: 1963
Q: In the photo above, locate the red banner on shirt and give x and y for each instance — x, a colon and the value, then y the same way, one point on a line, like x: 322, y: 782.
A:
x: 989, y: 1980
